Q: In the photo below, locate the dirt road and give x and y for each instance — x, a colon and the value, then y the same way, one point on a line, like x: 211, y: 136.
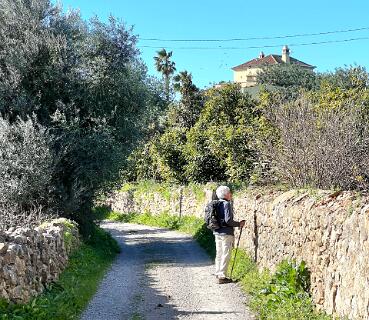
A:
x: 162, y: 275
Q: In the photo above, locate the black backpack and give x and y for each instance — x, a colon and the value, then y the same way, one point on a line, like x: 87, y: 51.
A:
x: 211, y: 215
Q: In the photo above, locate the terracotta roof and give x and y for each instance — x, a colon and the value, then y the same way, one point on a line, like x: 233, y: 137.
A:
x: 269, y: 60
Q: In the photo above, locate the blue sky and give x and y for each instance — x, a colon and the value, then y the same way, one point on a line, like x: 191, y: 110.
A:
x: 205, y: 19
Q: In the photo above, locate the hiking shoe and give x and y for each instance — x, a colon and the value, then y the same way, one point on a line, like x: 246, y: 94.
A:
x: 224, y: 280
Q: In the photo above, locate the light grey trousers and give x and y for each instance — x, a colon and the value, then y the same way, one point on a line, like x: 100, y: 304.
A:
x: 224, y: 244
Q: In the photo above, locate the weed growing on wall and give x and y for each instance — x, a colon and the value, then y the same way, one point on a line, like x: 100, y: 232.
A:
x: 279, y: 296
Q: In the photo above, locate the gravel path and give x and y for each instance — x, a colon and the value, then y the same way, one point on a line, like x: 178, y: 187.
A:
x: 162, y: 275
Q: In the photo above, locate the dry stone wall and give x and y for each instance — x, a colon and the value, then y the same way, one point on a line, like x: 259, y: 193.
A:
x: 175, y: 200
x: 328, y: 230
x: 32, y: 258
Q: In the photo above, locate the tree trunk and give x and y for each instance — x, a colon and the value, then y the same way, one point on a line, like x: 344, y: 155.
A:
x: 167, y: 88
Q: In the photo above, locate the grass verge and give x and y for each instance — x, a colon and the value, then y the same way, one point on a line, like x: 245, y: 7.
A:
x: 68, y: 297
x: 279, y: 296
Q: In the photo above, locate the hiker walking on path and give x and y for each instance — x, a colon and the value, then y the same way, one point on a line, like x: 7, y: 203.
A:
x: 224, y: 235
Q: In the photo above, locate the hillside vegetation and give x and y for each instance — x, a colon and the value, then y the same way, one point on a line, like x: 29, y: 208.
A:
x: 307, y: 133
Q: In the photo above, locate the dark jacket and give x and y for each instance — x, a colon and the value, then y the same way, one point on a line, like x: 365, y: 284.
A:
x: 225, y: 214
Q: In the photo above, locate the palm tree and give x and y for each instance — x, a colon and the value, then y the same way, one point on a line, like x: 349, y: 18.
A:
x: 183, y: 83
x: 165, y: 66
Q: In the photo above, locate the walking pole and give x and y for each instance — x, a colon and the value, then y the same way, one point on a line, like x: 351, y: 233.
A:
x: 235, y: 254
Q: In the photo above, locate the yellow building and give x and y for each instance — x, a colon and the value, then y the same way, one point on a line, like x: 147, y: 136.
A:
x: 246, y: 74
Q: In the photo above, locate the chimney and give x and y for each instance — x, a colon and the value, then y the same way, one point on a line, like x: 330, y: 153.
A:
x: 286, y: 54
x: 261, y: 55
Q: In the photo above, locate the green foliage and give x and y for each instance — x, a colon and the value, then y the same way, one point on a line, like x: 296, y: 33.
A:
x: 166, y: 66
x: 185, y: 113
x: 169, y: 156
x: 288, y: 76
x: 218, y: 146
x: 291, y: 279
x: 319, y: 138
x: 89, y: 97
x: 68, y: 297
x: 279, y: 296
x: 162, y: 157
x: 211, y: 145
x: 309, y: 131
x: 27, y: 163
x: 351, y: 77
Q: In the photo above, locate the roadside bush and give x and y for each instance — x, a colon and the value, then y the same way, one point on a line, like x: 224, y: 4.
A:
x: 26, y: 163
x: 89, y: 165
x: 162, y: 158
x: 212, y: 144
x: 310, y: 143
x: 27, y: 166
x: 218, y: 147
x: 278, y: 296
x: 76, y: 98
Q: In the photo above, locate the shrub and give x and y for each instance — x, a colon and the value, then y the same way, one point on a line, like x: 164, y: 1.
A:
x: 12, y: 216
x: 83, y: 82
x: 350, y: 77
x: 278, y: 296
x: 288, y: 76
x: 26, y: 163
x: 311, y: 144
x: 212, y: 144
x: 290, y: 279
x: 285, y: 295
x: 27, y: 166
x: 218, y: 146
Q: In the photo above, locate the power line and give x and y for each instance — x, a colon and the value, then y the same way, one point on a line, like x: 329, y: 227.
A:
x: 258, y: 47
x: 257, y: 38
